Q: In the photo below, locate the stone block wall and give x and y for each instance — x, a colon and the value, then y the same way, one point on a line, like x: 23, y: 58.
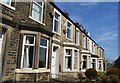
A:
x: 12, y: 53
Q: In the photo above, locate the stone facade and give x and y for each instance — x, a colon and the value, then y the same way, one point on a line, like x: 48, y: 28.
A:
x: 23, y: 36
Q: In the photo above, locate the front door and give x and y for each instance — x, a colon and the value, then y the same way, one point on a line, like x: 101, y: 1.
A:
x: 55, y: 62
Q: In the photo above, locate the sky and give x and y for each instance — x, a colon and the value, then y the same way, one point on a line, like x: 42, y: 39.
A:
x: 98, y: 18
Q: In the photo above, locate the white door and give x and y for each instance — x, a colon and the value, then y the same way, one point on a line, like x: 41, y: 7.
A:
x: 55, y: 62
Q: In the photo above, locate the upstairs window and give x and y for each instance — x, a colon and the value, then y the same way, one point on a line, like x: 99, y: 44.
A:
x: 68, y: 35
x: 84, y: 41
x: 88, y: 44
x: 92, y: 47
x: 37, y: 10
x: 77, y: 36
x: 56, y: 26
x: 9, y: 2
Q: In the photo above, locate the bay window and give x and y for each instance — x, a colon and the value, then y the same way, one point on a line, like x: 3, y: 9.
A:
x: 75, y: 59
x: 71, y: 61
x: 43, y: 53
x: 29, y: 54
x: 68, y: 59
x: 99, y: 65
x: 84, y: 62
x: 28, y: 51
x: 93, y: 63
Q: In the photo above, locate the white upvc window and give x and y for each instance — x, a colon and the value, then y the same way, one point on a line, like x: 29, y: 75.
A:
x: 68, y: 30
x: 75, y: 59
x: 88, y: 44
x: 99, y: 65
x: 8, y: 3
x: 94, y: 64
x: 92, y: 47
x: 28, y: 51
x: 43, y: 57
x: 84, y: 66
x: 57, y: 22
x: 68, y: 59
x: 84, y: 41
x: 37, y: 10
x: 71, y: 59
x: 77, y: 36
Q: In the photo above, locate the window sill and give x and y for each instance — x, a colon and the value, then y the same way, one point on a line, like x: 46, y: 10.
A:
x: 56, y: 33
x: 36, y: 20
x: 30, y: 70
x: 69, y: 39
x: 70, y: 70
x: 13, y: 8
x: 77, y: 44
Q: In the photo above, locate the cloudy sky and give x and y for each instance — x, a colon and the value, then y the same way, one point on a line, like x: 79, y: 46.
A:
x: 98, y: 18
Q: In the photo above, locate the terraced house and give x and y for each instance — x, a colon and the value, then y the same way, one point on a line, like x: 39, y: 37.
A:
x: 38, y: 41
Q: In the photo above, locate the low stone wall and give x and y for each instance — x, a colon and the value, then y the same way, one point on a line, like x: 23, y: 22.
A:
x: 32, y: 77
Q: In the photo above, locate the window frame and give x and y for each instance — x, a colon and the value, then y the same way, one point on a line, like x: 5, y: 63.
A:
x: 72, y: 59
x: 46, y: 52
x: 83, y: 41
x: 59, y: 22
x: 85, y: 61
x: 77, y: 37
x: 8, y: 5
x: 70, y: 28
x: 23, y: 47
x: 95, y: 64
x: 77, y: 57
x: 67, y: 57
x: 100, y: 65
x: 31, y: 9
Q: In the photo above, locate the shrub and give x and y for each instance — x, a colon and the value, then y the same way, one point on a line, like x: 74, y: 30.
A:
x: 80, y: 75
x: 91, y: 73
x: 113, y: 71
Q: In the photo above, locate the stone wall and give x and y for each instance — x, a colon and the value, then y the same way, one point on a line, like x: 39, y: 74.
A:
x: 12, y: 53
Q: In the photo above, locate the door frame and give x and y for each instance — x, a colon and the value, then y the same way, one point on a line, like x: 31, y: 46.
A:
x: 58, y: 52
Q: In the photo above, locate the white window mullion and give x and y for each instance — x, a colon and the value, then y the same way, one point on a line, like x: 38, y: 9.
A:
x: 47, y: 54
x: 72, y: 59
x: 23, y: 51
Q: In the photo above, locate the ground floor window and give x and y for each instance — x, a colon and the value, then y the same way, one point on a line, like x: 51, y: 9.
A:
x: 43, y: 53
x: 71, y: 59
x: 84, y: 62
x: 28, y: 51
x: 29, y: 54
x: 68, y: 61
x: 99, y: 65
x: 93, y: 64
x: 75, y: 59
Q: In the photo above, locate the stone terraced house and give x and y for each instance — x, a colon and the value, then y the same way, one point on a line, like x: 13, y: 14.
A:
x: 38, y: 41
